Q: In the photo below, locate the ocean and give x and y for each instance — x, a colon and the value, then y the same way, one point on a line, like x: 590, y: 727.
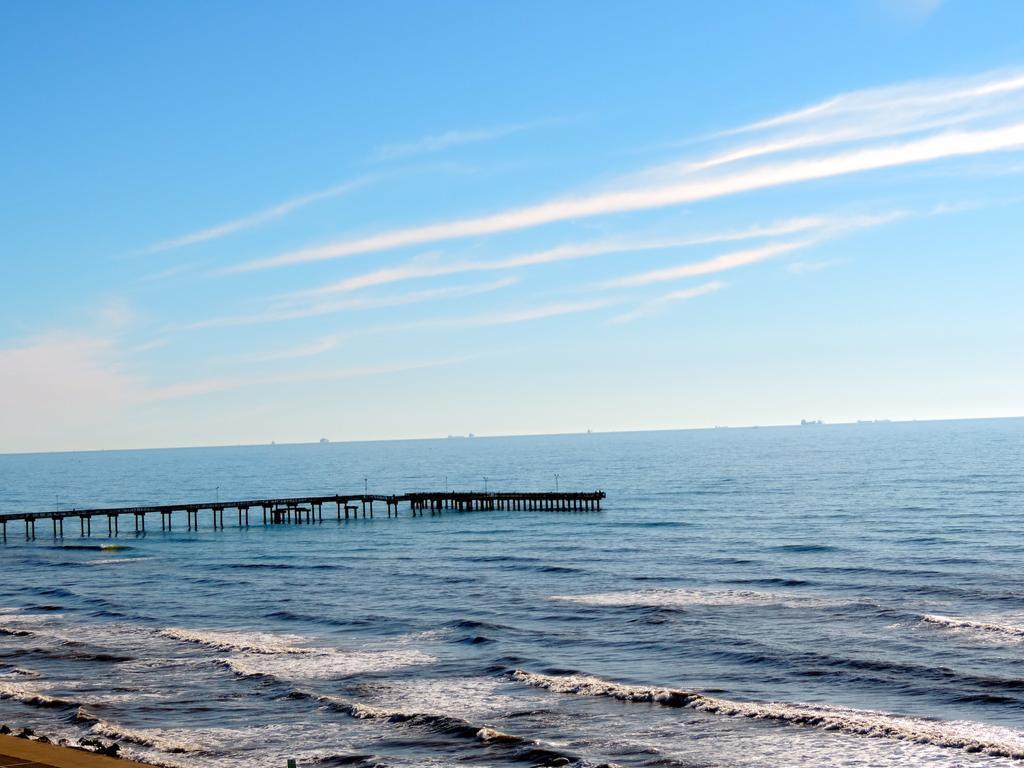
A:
x: 847, y: 595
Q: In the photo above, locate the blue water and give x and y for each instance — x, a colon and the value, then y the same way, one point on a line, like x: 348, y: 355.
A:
x: 841, y: 595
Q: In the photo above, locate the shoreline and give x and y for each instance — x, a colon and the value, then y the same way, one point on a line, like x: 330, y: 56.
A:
x: 33, y: 754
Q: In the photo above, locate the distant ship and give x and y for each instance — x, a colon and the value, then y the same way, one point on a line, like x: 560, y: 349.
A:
x: 811, y: 423
x: 324, y: 440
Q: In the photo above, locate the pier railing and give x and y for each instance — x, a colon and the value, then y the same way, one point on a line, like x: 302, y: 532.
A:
x: 309, y: 509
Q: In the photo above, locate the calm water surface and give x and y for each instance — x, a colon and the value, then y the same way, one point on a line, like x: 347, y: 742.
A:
x: 848, y: 595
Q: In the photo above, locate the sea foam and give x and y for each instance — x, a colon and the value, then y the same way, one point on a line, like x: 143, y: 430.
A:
x: 957, y: 734
x: 324, y: 663
x: 248, y: 642
x: 988, y: 626
x: 29, y: 694
x: 523, y: 748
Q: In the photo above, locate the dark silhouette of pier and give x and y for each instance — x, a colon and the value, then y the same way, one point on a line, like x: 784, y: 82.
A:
x: 305, y: 509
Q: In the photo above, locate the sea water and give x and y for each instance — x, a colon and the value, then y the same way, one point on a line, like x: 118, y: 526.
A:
x: 803, y: 596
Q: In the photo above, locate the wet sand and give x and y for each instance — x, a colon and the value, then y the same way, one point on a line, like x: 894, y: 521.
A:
x: 31, y: 754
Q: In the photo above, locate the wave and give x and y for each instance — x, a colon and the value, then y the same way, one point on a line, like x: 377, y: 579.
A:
x: 989, y: 627
x: 116, y: 560
x: 20, y: 617
x: 994, y: 741
x: 247, y: 642
x: 31, y: 695
x: 324, y: 663
x: 678, y: 598
x: 154, y: 738
x: 15, y: 632
x: 521, y: 747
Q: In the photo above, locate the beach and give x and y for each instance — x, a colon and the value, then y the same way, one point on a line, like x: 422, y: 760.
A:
x: 30, y: 754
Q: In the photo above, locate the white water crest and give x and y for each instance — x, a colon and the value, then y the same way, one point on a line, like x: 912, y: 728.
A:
x: 468, y: 697
x: 225, y: 747
x: 956, y: 734
x: 442, y: 720
x: 987, y: 626
x: 325, y: 663
x: 280, y: 656
x: 248, y: 642
x: 18, y: 616
x: 28, y: 694
x: 163, y: 739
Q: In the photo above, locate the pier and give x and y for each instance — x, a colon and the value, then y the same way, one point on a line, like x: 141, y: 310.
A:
x: 302, y: 510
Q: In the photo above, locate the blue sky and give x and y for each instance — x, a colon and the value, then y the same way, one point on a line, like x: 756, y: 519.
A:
x: 241, y: 222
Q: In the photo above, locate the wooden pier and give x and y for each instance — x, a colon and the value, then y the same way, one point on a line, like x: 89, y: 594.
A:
x: 303, y: 510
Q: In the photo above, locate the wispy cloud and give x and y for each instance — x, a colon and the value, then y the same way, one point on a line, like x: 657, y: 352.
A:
x: 653, y: 305
x: 803, y: 267
x: 432, y: 267
x: 503, y: 317
x: 720, y: 263
x: 744, y: 257
x: 273, y: 213
x: 935, y: 121
x: 297, y: 310
x: 900, y: 105
x: 442, y: 141
x: 510, y: 317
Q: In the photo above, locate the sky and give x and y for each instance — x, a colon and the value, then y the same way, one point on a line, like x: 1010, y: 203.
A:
x: 245, y: 222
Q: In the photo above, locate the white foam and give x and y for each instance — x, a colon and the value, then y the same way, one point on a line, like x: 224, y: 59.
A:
x: 998, y: 626
x: 117, y: 560
x: 27, y: 694
x: 958, y: 734
x: 325, y: 663
x: 244, y: 747
x: 20, y: 617
x: 248, y: 642
x: 486, y: 734
x: 157, y: 738
x: 467, y: 697
x: 677, y: 598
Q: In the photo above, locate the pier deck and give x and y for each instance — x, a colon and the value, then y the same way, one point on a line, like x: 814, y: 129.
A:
x: 305, y: 509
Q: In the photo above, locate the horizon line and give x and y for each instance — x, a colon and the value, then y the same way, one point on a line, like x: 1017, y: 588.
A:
x: 475, y: 436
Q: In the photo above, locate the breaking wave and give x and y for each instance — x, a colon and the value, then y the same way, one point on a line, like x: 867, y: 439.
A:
x: 247, y: 642
x: 955, y: 734
x: 521, y: 747
x: 324, y: 663
x: 31, y: 695
x: 154, y: 738
x: 989, y: 627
